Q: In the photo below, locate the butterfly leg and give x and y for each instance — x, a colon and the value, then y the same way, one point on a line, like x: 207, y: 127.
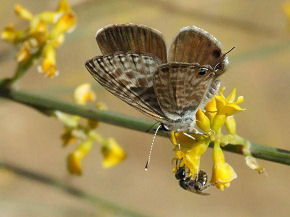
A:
x: 188, y: 135
x: 178, y: 143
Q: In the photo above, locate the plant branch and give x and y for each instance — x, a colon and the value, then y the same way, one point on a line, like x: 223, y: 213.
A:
x: 46, y: 103
x: 70, y: 189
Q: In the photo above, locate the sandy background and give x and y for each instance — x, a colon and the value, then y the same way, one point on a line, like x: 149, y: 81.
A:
x: 260, y: 70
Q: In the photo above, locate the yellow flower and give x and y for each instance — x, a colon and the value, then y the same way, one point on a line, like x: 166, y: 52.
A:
x: 113, y: 154
x: 217, y: 122
x: 67, y: 137
x: 231, y: 125
x: 44, y: 32
x: 74, y: 160
x: 39, y: 32
x: 9, y: 34
x: 228, y: 106
x: 218, y: 113
x: 22, y: 12
x: 84, y: 94
x: 65, y: 23
x: 202, y: 121
x: 48, y: 67
x: 222, y: 173
x: 190, y: 150
x: 64, y: 6
x: 24, y: 53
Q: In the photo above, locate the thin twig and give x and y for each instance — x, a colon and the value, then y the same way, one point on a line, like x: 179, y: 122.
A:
x: 44, y: 179
x: 47, y: 103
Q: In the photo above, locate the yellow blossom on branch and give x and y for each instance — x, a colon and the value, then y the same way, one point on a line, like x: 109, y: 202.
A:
x: 222, y: 172
x: 84, y: 133
x: 74, y: 160
x: 45, y: 33
x: 218, y: 113
x: 113, y: 154
x: 84, y: 94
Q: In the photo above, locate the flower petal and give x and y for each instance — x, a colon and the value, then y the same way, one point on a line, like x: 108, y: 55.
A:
x: 24, y: 53
x: 218, y: 122
x: 231, y: 125
x: 223, y: 173
x: 48, y: 67
x: 230, y: 109
x: 74, y: 160
x: 22, y: 12
x: 64, y: 24
x: 113, y: 154
x: 202, y: 121
x: 231, y: 97
x: 64, y: 6
x: 84, y: 94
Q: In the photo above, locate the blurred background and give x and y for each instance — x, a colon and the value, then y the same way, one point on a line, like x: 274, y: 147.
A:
x: 259, y: 69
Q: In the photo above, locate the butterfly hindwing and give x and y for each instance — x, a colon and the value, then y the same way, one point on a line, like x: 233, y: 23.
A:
x: 129, y: 76
x: 131, y: 37
x: 180, y: 88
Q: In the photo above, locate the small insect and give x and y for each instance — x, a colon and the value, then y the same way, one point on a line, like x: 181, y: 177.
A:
x: 195, y: 185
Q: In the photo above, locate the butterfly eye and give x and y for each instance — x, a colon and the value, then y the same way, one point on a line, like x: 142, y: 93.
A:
x: 202, y: 71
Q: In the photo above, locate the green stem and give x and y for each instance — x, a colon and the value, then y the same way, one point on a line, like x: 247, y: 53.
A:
x: 21, y: 70
x: 47, y: 103
x: 70, y: 190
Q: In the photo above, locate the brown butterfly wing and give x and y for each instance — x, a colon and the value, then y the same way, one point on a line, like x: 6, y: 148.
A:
x: 129, y: 76
x: 180, y: 88
x: 195, y: 45
x: 131, y: 37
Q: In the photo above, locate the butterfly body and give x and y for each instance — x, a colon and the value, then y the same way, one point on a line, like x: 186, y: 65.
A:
x: 170, y: 88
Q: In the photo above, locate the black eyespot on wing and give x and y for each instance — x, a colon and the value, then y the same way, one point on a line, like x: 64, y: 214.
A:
x: 202, y: 71
x: 216, y: 53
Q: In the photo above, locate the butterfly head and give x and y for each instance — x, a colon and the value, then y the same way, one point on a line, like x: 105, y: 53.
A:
x: 222, y: 62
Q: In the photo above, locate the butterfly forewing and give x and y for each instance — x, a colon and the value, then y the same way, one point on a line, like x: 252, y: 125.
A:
x: 129, y: 76
x: 131, y: 37
x: 195, y: 45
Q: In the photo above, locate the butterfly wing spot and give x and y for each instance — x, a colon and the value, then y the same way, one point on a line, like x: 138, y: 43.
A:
x: 216, y: 53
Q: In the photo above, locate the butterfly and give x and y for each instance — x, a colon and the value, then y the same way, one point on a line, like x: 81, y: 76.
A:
x: 167, y: 86
x: 170, y: 88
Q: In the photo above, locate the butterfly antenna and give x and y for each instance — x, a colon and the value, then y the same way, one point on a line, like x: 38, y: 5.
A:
x: 223, y: 56
x: 151, y: 148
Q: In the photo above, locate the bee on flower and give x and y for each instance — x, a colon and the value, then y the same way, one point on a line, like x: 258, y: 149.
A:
x: 43, y: 35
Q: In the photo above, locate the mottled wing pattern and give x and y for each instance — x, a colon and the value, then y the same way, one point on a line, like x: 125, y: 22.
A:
x: 195, y: 45
x: 179, y: 88
x: 129, y: 76
x: 131, y: 37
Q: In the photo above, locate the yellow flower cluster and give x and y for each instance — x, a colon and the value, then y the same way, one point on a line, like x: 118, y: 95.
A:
x: 218, y: 113
x: 43, y: 35
x: 84, y: 133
